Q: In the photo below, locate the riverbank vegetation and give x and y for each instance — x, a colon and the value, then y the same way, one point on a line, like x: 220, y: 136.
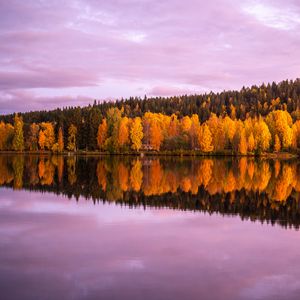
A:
x: 249, y: 122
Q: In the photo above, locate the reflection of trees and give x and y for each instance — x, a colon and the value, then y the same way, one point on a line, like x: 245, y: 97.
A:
x: 255, y: 189
x: 46, y: 171
x: 136, y: 176
x: 101, y: 174
x: 71, y: 164
x: 6, y: 173
x: 58, y: 162
x: 18, y: 166
x: 31, y: 167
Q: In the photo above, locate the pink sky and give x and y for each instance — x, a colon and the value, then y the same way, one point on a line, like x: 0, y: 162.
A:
x: 61, y: 53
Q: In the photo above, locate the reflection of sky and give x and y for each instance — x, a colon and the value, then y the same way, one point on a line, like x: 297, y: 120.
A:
x: 64, y: 249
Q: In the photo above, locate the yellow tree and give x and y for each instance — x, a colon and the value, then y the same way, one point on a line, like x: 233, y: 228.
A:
x: 219, y: 141
x: 72, y: 131
x: 33, y: 137
x: 102, y: 134
x: 280, y: 123
x: 2, y: 135
x: 173, y: 126
x: 229, y: 128
x: 114, y: 116
x: 186, y: 123
x: 277, y: 145
x: 295, y: 134
x: 262, y: 135
x: 213, y: 125
x: 136, y: 134
x: 48, y: 130
x: 6, y: 136
x: 42, y: 140
x: 156, y: 136
x: 123, y: 134
x: 194, y: 131
x: 243, y: 147
x: 251, y: 142
x: 205, y: 139
x: 60, y: 140
x: 146, y: 121
x: 18, y: 140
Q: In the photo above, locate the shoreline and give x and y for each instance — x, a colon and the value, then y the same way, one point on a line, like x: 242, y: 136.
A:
x: 279, y: 155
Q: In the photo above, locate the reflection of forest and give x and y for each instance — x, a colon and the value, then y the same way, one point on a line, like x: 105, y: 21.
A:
x: 257, y: 189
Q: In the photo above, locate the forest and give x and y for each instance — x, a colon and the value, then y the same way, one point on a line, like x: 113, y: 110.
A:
x: 254, y: 120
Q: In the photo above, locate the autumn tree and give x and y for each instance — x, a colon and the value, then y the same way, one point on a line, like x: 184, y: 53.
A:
x: 123, y: 134
x: 239, y: 142
x: 262, y: 136
x: 243, y: 147
x: 280, y: 123
x: 102, y: 134
x: 277, y: 145
x: 33, y: 137
x: 173, y: 126
x: 2, y: 136
x: 205, y: 139
x: 194, y: 131
x: 156, y: 136
x: 60, y: 140
x: 146, y: 123
x: 18, y: 140
x: 6, y: 136
x: 136, y: 134
x: 72, y: 132
x: 229, y: 129
x: 113, y: 118
x: 42, y: 140
x: 295, y: 135
x: 48, y: 135
x: 186, y: 123
x: 251, y: 142
x: 216, y: 128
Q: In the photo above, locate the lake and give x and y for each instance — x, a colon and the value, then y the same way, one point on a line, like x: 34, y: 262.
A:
x: 149, y: 228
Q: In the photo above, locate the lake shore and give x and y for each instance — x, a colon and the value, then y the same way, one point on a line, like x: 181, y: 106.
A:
x: 186, y: 153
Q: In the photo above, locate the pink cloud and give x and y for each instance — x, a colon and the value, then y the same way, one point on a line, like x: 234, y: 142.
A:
x: 168, y: 91
x: 200, y: 45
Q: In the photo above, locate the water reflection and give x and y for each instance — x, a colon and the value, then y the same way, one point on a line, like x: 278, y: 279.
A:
x: 265, y: 190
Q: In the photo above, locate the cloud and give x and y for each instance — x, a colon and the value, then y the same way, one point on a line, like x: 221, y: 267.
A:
x: 45, y: 79
x: 275, y: 17
x: 191, y: 45
x: 169, y: 91
x: 21, y: 101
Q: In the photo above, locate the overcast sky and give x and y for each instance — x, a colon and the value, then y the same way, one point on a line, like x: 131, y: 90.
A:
x: 61, y: 53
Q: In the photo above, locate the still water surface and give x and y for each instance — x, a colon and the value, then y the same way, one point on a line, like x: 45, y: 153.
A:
x: 128, y: 228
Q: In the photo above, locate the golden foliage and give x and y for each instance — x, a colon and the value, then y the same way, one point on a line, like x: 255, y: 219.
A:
x: 102, y: 134
x: 205, y: 139
x: 136, y: 134
x: 60, y: 140
x: 123, y: 134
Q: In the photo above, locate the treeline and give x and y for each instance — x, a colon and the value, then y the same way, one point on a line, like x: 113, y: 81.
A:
x: 246, y: 103
x: 158, y: 132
